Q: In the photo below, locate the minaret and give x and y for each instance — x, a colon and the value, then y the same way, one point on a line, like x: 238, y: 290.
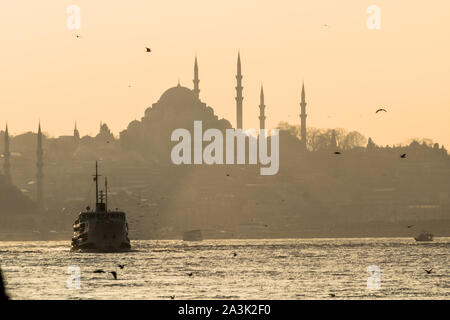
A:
x: 40, y: 174
x: 303, y: 118
x: 196, y: 80
x: 239, y: 97
x: 76, y: 133
x: 262, y: 116
x: 7, y: 155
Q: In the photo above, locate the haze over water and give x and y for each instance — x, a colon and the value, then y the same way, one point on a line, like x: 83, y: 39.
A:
x: 262, y: 269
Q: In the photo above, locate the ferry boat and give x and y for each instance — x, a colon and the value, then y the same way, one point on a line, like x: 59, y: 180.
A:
x: 424, y: 236
x: 101, y: 229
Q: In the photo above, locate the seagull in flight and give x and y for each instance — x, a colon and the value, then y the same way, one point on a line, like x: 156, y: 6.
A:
x: 428, y: 271
x: 381, y: 110
x: 410, y: 226
x: 337, y: 152
x: 147, y: 49
x: 403, y: 156
x: 99, y: 271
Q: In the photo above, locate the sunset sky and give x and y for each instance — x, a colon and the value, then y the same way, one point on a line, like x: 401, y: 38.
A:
x: 349, y: 71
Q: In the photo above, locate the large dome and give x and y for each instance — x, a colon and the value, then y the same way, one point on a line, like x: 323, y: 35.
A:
x: 177, y: 108
x: 177, y: 94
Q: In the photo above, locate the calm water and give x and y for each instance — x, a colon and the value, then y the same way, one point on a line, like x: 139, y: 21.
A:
x: 262, y: 269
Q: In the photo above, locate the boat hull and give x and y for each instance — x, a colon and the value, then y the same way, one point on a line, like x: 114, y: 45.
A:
x: 103, y: 236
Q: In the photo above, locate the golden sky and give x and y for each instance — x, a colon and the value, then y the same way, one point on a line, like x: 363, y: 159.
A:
x: 349, y: 71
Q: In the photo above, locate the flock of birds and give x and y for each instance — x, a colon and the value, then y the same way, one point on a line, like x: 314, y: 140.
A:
x: 122, y: 266
x: 148, y: 50
x: 114, y: 273
x: 190, y: 274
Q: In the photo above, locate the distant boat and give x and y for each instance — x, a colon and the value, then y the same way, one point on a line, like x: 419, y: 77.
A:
x: 193, y: 235
x: 424, y: 236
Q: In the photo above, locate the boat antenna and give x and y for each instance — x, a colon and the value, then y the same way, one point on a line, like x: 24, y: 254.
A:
x: 96, y: 182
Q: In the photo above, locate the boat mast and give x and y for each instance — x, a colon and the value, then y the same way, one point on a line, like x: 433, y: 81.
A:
x: 96, y: 182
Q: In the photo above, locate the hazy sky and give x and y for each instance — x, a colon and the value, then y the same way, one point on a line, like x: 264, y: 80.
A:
x: 349, y: 70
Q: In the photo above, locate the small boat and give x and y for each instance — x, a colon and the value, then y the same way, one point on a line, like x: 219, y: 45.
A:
x: 424, y: 236
x: 193, y: 235
x: 101, y: 229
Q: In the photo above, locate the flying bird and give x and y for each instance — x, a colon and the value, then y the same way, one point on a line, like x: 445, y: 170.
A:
x: 98, y: 271
x: 114, y: 274
x: 147, y: 49
x: 381, y: 110
x: 78, y: 36
x: 410, y: 226
x: 234, y: 254
x: 428, y: 271
x: 403, y: 156
x: 228, y: 174
x: 337, y: 152
x: 190, y: 274
x: 121, y: 266
x: 172, y: 297
x: 332, y: 295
